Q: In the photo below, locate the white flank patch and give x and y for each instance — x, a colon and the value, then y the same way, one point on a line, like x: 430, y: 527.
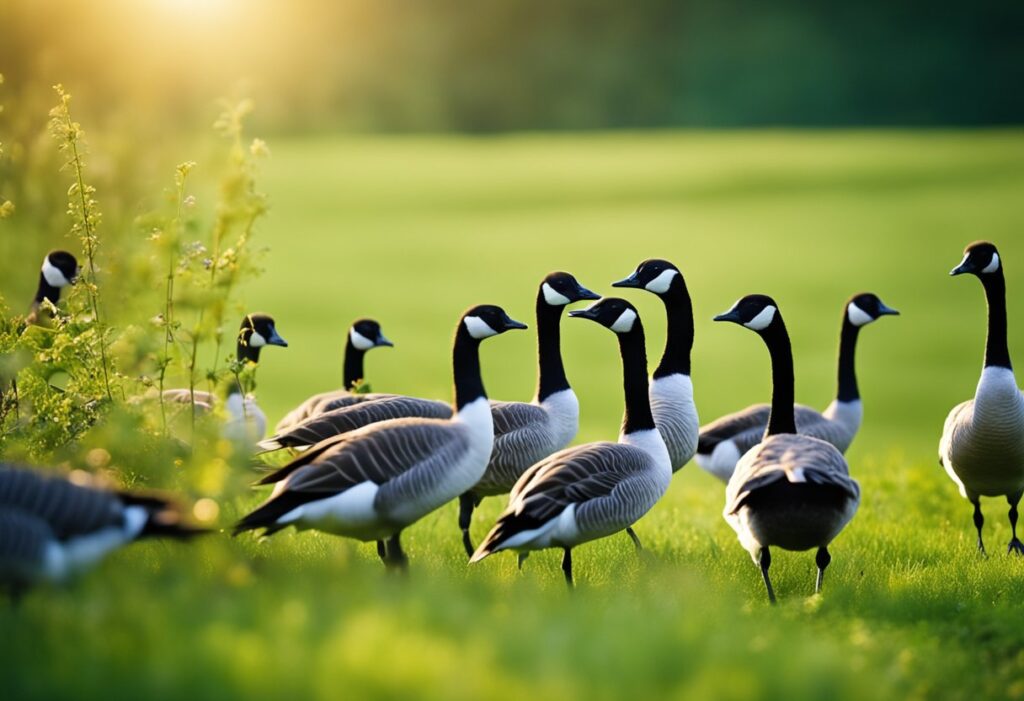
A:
x: 135, y: 518
x: 624, y: 324
x: 360, y: 341
x: 722, y: 461
x: 660, y: 284
x: 256, y: 339
x: 554, y: 297
x: 993, y: 266
x: 350, y: 511
x: 478, y: 328
x: 561, y: 529
x: 762, y: 320
x: 54, y: 277
x: 857, y: 316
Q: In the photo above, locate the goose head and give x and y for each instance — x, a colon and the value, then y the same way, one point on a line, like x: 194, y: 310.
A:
x: 611, y: 312
x: 486, y: 320
x: 755, y: 312
x: 257, y: 331
x: 865, y: 308
x: 980, y: 258
x: 365, y: 334
x: 560, y: 289
x: 60, y: 269
x: 654, y: 275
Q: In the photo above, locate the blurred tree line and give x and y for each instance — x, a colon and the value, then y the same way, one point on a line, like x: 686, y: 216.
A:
x: 439, y: 65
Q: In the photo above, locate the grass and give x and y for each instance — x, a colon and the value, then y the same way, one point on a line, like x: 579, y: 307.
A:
x: 411, y: 230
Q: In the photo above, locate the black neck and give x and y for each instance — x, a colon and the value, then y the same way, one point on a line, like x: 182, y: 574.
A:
x: 679, y: 342
x: 353, y: 364
x: 997, y: 350
x: 46, y: 291
x: 638, y: 415
x: 247, y: 352
x: 848, y: 390
x: 782, y: 418
x: 469, y: 384
x: 551, y: 374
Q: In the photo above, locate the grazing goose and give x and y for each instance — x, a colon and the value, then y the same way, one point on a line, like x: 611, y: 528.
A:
x: 671, y: 387
x: 724, y: 440
x: 372, y: 483
x: 790, y: 491
x: 59, y: 270
x: 363, y: 335
x: 246, y: 422
x: 52, y: 527
x: 594, y: 490
x: 982, y: 446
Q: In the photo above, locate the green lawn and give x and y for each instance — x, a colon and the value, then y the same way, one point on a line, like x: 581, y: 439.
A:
x: 412, y: 230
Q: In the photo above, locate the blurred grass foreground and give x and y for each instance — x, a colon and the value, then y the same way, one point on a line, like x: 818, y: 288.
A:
x: 303, y: 202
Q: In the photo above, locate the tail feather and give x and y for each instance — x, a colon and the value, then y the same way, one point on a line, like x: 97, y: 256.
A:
x: 166, y: 517
x: 268, y: 514
x: 494, y: 540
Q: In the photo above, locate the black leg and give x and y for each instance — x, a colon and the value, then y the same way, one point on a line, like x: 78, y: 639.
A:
x: 521, y: 559
x: 979, y: 521
x: 1015, y: 545
x: 766, y: 562
x: 467, y: 502
x: 396, y: 556
x: 567, y: 566
x: 822, y: 559
x: 382, y: 551
x: 636, y: 541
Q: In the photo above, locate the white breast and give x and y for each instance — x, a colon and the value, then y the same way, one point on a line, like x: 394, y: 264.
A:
x: 563, y: 410
x: 653, y: 444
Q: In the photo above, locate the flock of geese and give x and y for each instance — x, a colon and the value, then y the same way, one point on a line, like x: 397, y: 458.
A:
x: 368, y: 466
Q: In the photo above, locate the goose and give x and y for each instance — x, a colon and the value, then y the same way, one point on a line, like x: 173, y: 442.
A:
x: 671, y: 387
x: 789, y: 491
x: 53, y: 527
x: 363, y: 335
x: 594, y: 490
x: 982, y: 445
x: 246, y: 422
x: 724, y: 440
x: 372, y: 483
x: 60, y: 269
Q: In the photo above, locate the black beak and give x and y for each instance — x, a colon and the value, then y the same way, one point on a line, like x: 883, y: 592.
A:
x: 966, y: 266
x: 731, y: 315
x: 884, y: 310
x: 511, y: 324
x: 631, y: 281
x: 275, y: 339
x: 583, y: 293
x: 588, y: 313
x: 383, y: 341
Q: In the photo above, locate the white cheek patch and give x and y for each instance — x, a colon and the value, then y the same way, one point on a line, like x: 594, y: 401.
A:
x: 624, y: 324
x: 256, y: 340
x: 857, y: 316
x: 54, y: 277
x: 993, y: 266
x: 762, y: 320
x: 553, y: 297
x: 478, y: 328
x: 660, y: 284
x: 360, y: 341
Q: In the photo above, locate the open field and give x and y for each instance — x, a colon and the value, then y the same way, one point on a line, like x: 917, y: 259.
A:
x: 411, y: 230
